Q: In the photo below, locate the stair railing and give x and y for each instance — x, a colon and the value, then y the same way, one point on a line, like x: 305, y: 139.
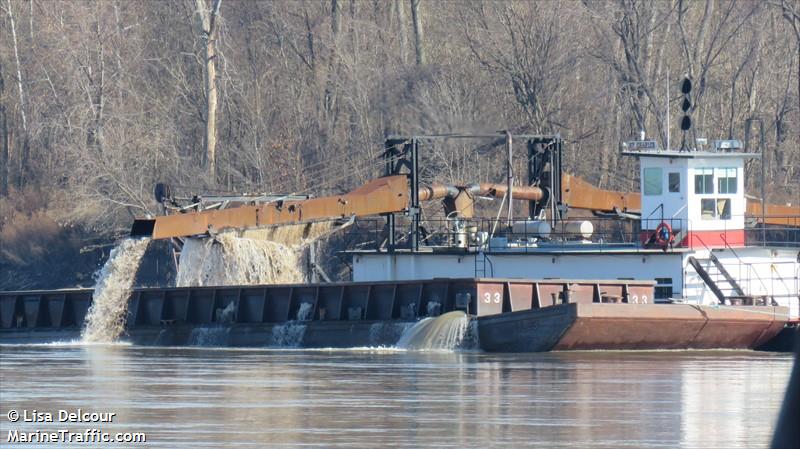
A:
x: 750, y: 269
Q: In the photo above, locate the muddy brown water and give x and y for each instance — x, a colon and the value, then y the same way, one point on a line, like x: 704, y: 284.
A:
x: 229, y: 398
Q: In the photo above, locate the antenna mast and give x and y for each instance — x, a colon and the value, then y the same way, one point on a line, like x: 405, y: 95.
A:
x: 667, y: 111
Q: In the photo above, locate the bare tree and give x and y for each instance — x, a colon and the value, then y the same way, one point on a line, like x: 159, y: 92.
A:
x: 24, y: 155
x: 4, y: 153
x: 333, y: 60
x: 635, y: 27
x: 791, y: 12
x: 715, y: 31
x: 419, y: 44
x: 207, y: 25
x: 400, y: 12
x: 521, y: 42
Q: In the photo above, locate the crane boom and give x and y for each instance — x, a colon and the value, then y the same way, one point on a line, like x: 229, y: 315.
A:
x: 390, y: 195
x: 579, y: 194
x: 379, y: 196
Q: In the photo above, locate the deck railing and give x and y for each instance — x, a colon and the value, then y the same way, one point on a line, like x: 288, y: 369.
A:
x: 490, y: 234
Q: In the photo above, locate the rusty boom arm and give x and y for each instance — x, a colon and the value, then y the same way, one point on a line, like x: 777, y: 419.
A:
x: 390, y: 195
x: 579, y: 194
x: 379, y: 196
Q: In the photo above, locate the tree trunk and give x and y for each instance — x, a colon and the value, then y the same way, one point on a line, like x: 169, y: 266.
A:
x: 336, y: 28
x: 4, y: 127
x: 23, y: 157
x: 209, y: 30
x: 94, y: 136
x: 416, y: 16
x: 400, y: 10
x: 211, y: 110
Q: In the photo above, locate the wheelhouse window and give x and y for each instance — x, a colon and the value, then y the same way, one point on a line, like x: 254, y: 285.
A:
x: 724, y: 208
x: 726, y: 180
x: 715, y: 208
x: 704, y: 180
x: 674, y: 182
x: 707, y: 208
x: 653, y: 181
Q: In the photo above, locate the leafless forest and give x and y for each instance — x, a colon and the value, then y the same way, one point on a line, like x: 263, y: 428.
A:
x: 99, y: 100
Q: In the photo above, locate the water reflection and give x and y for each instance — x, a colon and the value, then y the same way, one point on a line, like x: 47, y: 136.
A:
x: 219, y: 398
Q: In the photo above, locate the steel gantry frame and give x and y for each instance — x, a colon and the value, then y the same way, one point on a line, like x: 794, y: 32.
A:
x: 401, y: 157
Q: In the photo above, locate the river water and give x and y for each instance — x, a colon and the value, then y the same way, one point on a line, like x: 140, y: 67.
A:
x: 229, y: 398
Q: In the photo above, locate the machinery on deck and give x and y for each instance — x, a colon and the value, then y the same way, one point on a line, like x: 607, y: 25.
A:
x: 550, y: 192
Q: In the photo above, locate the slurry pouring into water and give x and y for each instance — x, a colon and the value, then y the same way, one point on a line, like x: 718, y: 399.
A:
x: 443, y: 333
x: 105, y: 320
x: 231, y: 260
x: 272, y: 255
x: 290, y: 334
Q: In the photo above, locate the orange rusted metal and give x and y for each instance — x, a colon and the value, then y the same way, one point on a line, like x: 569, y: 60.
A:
x: 520, y: 192
x: 439, y: 191
x: 776, y: 214
x: 380, y: 196
x: 579, y: 194
x: 461, y: 199
x: 435, y: 192
x: 671, y: 326
x: 383, y: 195
x: 390, y: 195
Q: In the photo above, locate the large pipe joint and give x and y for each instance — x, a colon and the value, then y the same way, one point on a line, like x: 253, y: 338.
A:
x: 436, y: 192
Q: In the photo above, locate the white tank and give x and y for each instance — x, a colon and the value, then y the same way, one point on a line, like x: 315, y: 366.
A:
x: 532, y: 228
x: 579, y: 229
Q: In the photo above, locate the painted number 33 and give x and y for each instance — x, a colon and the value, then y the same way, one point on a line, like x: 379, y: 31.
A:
x: 487, y: 298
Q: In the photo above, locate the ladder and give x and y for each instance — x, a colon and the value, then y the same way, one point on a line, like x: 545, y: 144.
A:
x: 480, y: 264
x: 713, y: 282
x: 707, y: 279
x: 721, y: 268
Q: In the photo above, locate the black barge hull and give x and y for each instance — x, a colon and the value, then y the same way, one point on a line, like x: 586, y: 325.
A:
x: 508, y: 315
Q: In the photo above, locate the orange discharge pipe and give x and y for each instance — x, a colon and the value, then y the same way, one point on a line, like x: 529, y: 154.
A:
x: 390, y: 195
x: 440, y: 191
x: 579, y: 194
x: 527, y: 193
x: 379, y: 196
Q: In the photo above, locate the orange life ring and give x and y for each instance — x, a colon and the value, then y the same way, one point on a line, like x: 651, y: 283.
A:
x: 664, y: 234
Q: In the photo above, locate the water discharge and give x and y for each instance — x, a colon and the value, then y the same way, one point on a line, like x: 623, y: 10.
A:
x: 231, y: 260
x: 290, y: 334
x: 105, y: 320
x: 294, y: 235
x: 443, y: 333
x: 270, y: 255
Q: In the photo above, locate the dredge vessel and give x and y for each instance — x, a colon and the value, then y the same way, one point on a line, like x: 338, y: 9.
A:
x: 689, y: 261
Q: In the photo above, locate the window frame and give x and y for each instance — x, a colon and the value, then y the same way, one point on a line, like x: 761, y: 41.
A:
x: 670, y: 184
x: 713, y: 202
x: 646, y: 178
x: 725, y: 214
x: 707, y: 180
x: 727, y: 177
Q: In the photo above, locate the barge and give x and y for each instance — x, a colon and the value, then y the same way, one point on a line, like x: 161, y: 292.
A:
x: 688, y: 262
x: 509, y: 315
